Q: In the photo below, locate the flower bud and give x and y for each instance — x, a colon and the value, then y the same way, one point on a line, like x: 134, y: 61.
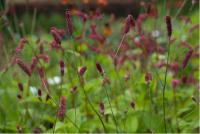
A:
x: 169, y: 26
x: 62, y: 67
x: 82, y: 70
x: 99, y: 68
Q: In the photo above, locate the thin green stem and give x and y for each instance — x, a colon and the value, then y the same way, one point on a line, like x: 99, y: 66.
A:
x: 116, y: 125
x: 180, y: 9
x: 165, y: 82
x: 94, y: 110
x: 60, y: 92
x: 120, y: 45
x: 151, y: 102
x: 175, y: 111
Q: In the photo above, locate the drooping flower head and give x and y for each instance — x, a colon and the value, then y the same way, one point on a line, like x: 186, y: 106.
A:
x: 21, y: 45
x: 23, y: 66
x: 129, y: 23
x: 187, y: 58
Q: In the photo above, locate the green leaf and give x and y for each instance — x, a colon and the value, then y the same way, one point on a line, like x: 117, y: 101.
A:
x: 131, y: 123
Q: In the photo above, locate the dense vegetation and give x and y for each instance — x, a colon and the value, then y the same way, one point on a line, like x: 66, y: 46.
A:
x: 93, y: 72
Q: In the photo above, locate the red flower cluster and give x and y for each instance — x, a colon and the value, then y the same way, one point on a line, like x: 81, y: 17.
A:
x: 23, y: 66
x: 69, y: 22
x: 129, y: 23
x: 169, y: 26
x: 62, y: 108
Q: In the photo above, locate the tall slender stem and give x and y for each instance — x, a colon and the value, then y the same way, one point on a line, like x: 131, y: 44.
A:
x: 175, y: 111
x: 60, y: 92
x: 165, y: 82
x: 88, y: 100
x: 120, y: 45
x: 116, y: 125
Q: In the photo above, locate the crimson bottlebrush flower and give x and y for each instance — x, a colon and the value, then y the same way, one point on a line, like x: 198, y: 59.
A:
x: 55, y: 45
x: 132, y: 104
x: 23, y: 66
x: 62, y: 108
x: 21, y: 87
x: 175, y: 83
x: 21, y: 45
x: 73, y: 89
x: 41, y: 72
x: 44, y: 57
x: 83, y: 16
x: 56, y: 35
x: 148, y: 77
x: 94, y: 34
x: 169, y: 26
x: 62, y: 67
x: 184, y: 79
x: 129, y: 23
x: 101, y: 108
x: 34, y: 62
x: 99, y: 68
x: 69, y: 21
x: 187, y: 58
x: 82, y: 70
x: 140, y: 20
x: 174, y: 66
x: 39, y: 93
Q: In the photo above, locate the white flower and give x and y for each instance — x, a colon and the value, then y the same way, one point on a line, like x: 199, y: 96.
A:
x: 54, y: 80
x: 155, y: 33
x: 33, y: 90
x: 137, y: 39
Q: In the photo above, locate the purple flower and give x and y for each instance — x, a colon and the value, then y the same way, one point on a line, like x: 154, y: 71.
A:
x: 187, y: 58
x: 99, y: 68
x: 23, y: 66
x: 21, y: 45
x: 62, y: 108
x: 62, y: 67
x: 169, y: 26
x: 129, y: 23
x: 82, y: 70
x: 21, y: 87
x: 69, y: 21
x: 175, y: 83
x: 101, y: 108
x: 148, y: 77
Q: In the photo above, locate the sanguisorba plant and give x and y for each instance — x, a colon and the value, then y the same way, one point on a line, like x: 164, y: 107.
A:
x: 69, y: 62
x: 169, y: 34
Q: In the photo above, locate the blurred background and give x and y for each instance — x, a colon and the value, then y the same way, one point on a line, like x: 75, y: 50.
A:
x: 25, y: 17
